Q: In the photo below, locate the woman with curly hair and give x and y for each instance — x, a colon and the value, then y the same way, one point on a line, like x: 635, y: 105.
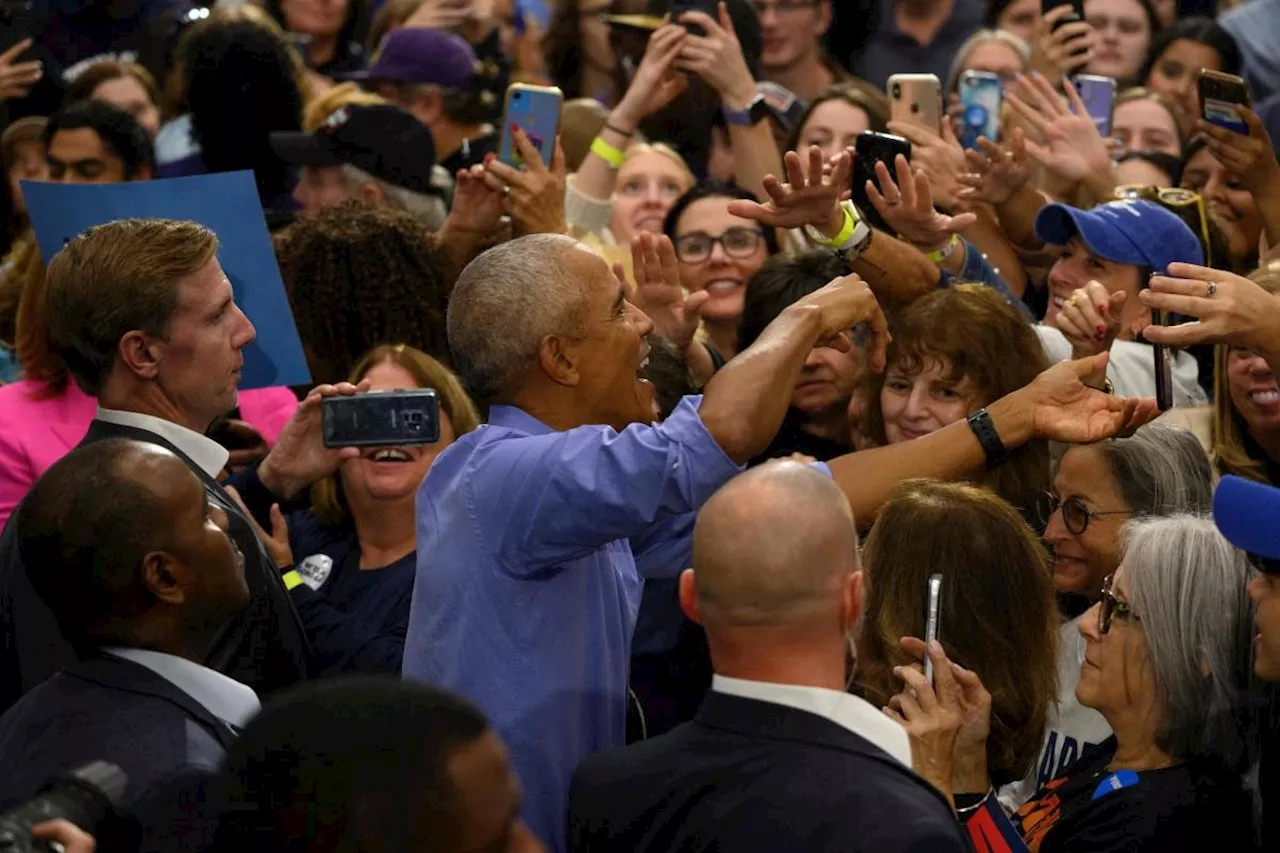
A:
x: 359, y: 276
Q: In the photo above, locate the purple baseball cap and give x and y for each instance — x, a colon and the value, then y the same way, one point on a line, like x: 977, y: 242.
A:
x: 419, y: 55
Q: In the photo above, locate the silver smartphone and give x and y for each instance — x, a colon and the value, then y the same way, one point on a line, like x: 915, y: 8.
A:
x: 933, y: 613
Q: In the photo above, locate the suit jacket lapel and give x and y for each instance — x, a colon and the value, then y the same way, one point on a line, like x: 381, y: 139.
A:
x: 126, y: 675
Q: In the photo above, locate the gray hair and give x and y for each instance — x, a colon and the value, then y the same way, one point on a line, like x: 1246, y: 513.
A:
x: 1187, y: 585
x: 505, y: 302
x: 1161, y: 470
x: 428, y: 208
x: 1010, y: 40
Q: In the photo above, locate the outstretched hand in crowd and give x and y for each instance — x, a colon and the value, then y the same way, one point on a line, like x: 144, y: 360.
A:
x: 1063, y: 408
x: 717, y: 56
x: 811, y: 196
x: 1073, y: 149
x: 658, y: 292
x: 1090, y: 319
x: 844, y: 303
x: 939, y: 156
x: 996, y: 175
x: 906, y: 205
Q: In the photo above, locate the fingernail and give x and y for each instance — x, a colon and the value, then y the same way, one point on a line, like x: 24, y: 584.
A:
x: 935, y: 647
x: 1102, y: 334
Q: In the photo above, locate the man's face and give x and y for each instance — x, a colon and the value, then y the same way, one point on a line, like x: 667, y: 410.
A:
x: 488, y: 797
x: 199, y: 539
x: 80, y: 157
x: 611, y: 351
x: 792, y: 30
x: 201, y: 356
x: 320, y: 188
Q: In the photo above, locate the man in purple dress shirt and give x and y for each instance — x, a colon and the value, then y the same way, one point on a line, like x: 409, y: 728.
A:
x: 530, y: 528
x: 527, y: 588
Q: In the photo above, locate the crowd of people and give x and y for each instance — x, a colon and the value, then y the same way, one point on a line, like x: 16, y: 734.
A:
x: 813, y: 471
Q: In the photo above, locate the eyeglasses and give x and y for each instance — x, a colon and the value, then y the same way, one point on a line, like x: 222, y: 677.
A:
x: 1187, y: 204
x: 1075, y: 515
x: 1111, y: 606
x: 739, y: 243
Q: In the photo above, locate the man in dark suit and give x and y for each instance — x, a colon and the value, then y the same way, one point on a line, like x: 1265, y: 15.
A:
x: 145, y: 319
x: 780, y: 757
x: 139, y: 584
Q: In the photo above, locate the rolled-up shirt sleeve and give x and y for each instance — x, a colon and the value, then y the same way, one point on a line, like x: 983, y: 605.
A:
x: 544, y: 500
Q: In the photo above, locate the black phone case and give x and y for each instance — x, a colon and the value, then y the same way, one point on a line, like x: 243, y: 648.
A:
x: 381, y: 419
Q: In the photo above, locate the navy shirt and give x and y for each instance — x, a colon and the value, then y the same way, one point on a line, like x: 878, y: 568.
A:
x: 889, y: 51
x: 356, y: 619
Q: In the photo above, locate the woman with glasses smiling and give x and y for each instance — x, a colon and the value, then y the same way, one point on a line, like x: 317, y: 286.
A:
x: 1166, y: 664
x: 1160, y: 470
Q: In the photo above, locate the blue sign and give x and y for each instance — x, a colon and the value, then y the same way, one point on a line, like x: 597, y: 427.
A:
x: 228, y: 205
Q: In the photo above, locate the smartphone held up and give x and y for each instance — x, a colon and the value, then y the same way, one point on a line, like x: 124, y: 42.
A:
x: 1220, y: 96
x: 536, y: 111
x: 381, y: 419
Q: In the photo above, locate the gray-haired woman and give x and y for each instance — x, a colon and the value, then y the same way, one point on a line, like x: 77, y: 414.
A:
x: 1097, y: 488
x: 1167, y: 665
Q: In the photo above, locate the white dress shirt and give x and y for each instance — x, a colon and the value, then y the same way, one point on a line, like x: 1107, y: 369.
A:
x: 844, y: 709
x: 204, y: 451
x: 225, y: 698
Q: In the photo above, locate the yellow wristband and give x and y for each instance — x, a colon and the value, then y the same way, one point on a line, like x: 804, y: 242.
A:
x: 940, y: 255
x: 846, y: 231
x: 291, y: 579
x: 606, y: 152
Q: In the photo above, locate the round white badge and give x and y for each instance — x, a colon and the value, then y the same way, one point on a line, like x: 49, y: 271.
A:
x: 315, y: 570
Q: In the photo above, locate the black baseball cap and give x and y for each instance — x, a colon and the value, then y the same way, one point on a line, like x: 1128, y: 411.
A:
x: 385, y: 141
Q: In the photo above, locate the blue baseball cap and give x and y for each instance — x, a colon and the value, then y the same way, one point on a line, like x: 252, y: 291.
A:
x: 420, y: 55
x: 1248, y: 515
x: 1133, y: 231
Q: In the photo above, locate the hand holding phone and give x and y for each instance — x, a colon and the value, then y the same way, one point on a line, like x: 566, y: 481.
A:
x: 1220, y: 94
x: 1162, y: 364
x: 536, y: 111
x: 981, y: 93
x: 916, y: 99
x: 933, y: 616
x: 1099, y: 96
x: 381, y: 419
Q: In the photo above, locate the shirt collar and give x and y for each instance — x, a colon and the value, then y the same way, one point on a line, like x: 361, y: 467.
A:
x: 844, y: 709
x: 202, y: 450
x: 225, y: 698
x: 518, y: 420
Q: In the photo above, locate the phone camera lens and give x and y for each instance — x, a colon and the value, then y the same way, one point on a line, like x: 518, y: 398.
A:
x: 517, y: 96
x: 897, y: 90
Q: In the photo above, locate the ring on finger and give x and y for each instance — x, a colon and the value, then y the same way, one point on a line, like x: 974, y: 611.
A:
x: 893, y: 202
x: 1210, y: 289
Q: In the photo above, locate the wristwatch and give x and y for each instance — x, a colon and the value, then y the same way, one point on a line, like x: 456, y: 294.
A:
x: 757, y: 111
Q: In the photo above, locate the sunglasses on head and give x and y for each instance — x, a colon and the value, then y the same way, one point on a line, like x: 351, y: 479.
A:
x: 1186, y: 204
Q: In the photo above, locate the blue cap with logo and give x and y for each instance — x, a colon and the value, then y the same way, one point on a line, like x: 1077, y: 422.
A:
x: 1137, y: 232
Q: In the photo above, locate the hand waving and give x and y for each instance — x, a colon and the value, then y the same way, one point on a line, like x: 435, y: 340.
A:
x: 907, y: 207
x: 658, y: 292
x: 811, y: 197
x: 995, y: 175
x: 1073, y: 149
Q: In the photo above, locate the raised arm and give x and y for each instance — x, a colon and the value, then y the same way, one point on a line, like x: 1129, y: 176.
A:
x: 1056, y: 406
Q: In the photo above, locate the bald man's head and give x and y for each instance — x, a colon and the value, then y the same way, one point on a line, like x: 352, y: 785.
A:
x: 773, y: 547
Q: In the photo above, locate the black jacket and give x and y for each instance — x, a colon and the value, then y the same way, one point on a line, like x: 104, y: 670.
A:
x: 747, y: 775
x: 264, y: 646
x: 110, y: 709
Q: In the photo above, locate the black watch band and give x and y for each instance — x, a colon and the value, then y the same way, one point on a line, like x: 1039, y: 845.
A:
x: 985, y: 431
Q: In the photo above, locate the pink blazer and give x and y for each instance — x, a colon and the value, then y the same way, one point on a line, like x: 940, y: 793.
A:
x: 36, y: 432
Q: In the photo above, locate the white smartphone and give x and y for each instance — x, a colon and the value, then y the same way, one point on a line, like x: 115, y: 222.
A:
x: 916, y: 99
x: 932, y: 615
